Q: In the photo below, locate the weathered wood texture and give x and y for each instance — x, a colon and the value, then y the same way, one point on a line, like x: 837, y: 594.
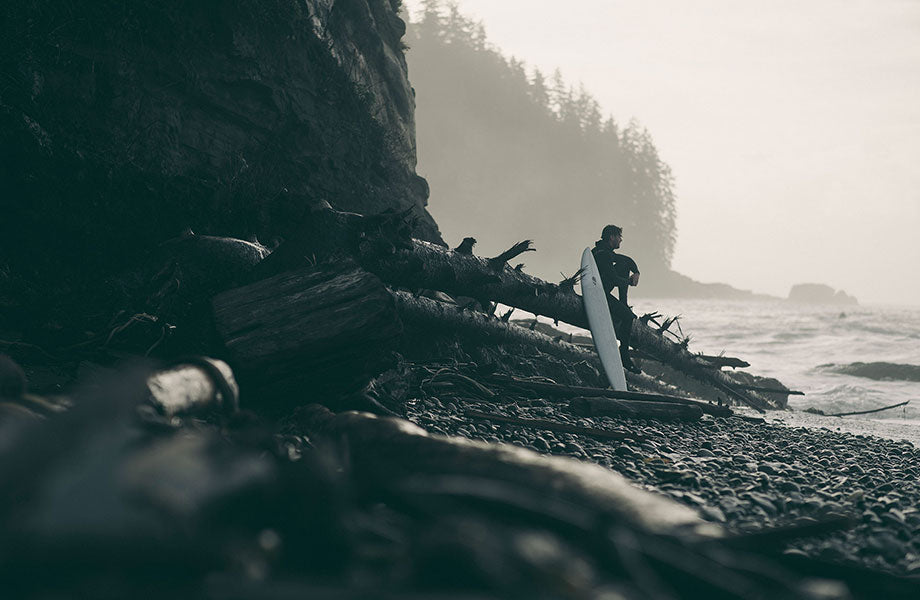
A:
x: 426, y: 265
x: 611, y: 407
x: 193, y: 387
x: 555, y: 389
x: 433, y: 315
x: 548, y: 425
x: 328, y: 327
x: 725, y: 361
x: 393, y: 454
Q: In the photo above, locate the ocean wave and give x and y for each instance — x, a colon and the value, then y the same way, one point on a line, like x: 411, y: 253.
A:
x: 876, y: 370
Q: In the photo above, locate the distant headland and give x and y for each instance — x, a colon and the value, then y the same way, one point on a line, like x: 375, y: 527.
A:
x: 671, y: 284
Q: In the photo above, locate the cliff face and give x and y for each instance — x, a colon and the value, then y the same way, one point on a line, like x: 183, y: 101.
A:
x: 123, y: 123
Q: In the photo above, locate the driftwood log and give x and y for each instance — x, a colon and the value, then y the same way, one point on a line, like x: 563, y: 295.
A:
x: 434, y: 315
x: 717, y: 362
x: 381, y: 245
x: 611, y: 407
x: 556, y: 389
x: 426, y: 265
x: 326, y: 329
x: 194, y: 386
x: 388, y: 453
x: 548, y: 425
x: 725, y: 361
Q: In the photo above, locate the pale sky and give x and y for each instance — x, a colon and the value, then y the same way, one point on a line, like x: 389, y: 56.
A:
x: 792, y: 126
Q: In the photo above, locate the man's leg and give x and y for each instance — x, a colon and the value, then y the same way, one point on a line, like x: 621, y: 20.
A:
x: 623, y: 318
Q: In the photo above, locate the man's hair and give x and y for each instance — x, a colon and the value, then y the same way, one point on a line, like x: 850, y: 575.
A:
x: 611, y: 230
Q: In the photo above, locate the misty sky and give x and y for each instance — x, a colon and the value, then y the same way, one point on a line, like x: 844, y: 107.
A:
x: 792, y: 128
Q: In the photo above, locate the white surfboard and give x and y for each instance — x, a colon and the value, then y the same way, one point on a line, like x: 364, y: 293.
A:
x: 602, y: 332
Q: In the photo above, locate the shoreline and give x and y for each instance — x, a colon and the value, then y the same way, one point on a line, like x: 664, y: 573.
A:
x: 793, y: 469
x: 891, y: 429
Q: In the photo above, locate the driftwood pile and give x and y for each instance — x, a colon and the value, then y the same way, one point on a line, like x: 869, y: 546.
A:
x: 327, y: 307
x: 230, y: 477
x: 136, y: 490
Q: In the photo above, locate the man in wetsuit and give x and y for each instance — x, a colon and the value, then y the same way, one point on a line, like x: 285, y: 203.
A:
x: 617, y: 271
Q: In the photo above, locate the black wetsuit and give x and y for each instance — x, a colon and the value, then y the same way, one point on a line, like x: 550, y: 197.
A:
x: 615, y: 270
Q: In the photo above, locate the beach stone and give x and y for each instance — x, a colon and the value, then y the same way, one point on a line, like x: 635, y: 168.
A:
x: 886, y: 545
x: 712, y: 513
x: 913, y: 567
x: 866, y: 481
x: 690, y: 479
x: 893, y: 516
x: 771, y: 468
x: 764, y: 502
x: 730, y: 505
x: 812, y: 504
x: 788, y: 486
x: 540, y: 445
x: 795, y: 498
x: 780, y: 503
x: 625, y: 451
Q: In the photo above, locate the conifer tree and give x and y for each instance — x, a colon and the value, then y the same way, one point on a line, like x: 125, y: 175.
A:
x: 539, y: 93
x: 510, y: 157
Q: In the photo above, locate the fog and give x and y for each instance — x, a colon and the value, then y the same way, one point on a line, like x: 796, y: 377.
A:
x: 792, y: 129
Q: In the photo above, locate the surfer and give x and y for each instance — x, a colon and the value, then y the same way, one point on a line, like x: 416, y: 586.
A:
x: 617, y: 271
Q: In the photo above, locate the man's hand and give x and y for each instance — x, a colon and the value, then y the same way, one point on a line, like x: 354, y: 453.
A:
x: 634, y: 279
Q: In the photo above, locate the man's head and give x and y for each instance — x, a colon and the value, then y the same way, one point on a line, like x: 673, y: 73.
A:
x: 613, y: 235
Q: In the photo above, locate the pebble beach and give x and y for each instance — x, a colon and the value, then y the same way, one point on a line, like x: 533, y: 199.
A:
x: 744, y: 472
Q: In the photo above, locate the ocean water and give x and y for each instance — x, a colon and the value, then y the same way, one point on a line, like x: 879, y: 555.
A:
x: 845, y: 358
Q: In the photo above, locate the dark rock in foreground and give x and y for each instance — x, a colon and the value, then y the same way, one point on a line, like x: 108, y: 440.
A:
x: 120, y: 126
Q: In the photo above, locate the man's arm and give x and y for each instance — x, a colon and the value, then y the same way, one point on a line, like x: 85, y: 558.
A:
x: 629, y: 269
x: 607, y: 267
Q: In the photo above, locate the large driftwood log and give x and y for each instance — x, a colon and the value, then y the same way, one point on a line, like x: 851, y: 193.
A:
x: 425, y: 265
x: 549, y: 425
x: 381, y: 244
x: 611, y: 407
x: 387, y: 453
x: 322, y: 329
x: 433, y: 315
x: 556, y: 389
x: 725, y: 361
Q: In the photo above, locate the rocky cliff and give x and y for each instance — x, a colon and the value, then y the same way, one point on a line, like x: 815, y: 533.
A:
x: 121, y: 124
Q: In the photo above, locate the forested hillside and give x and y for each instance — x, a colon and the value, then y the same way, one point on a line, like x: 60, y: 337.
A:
x: 513, y: 153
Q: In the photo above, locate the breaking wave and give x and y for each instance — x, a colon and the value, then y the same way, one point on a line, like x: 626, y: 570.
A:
x: 876, y: 370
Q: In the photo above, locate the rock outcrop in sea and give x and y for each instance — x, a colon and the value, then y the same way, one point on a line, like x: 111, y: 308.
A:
x: 819, y: 293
